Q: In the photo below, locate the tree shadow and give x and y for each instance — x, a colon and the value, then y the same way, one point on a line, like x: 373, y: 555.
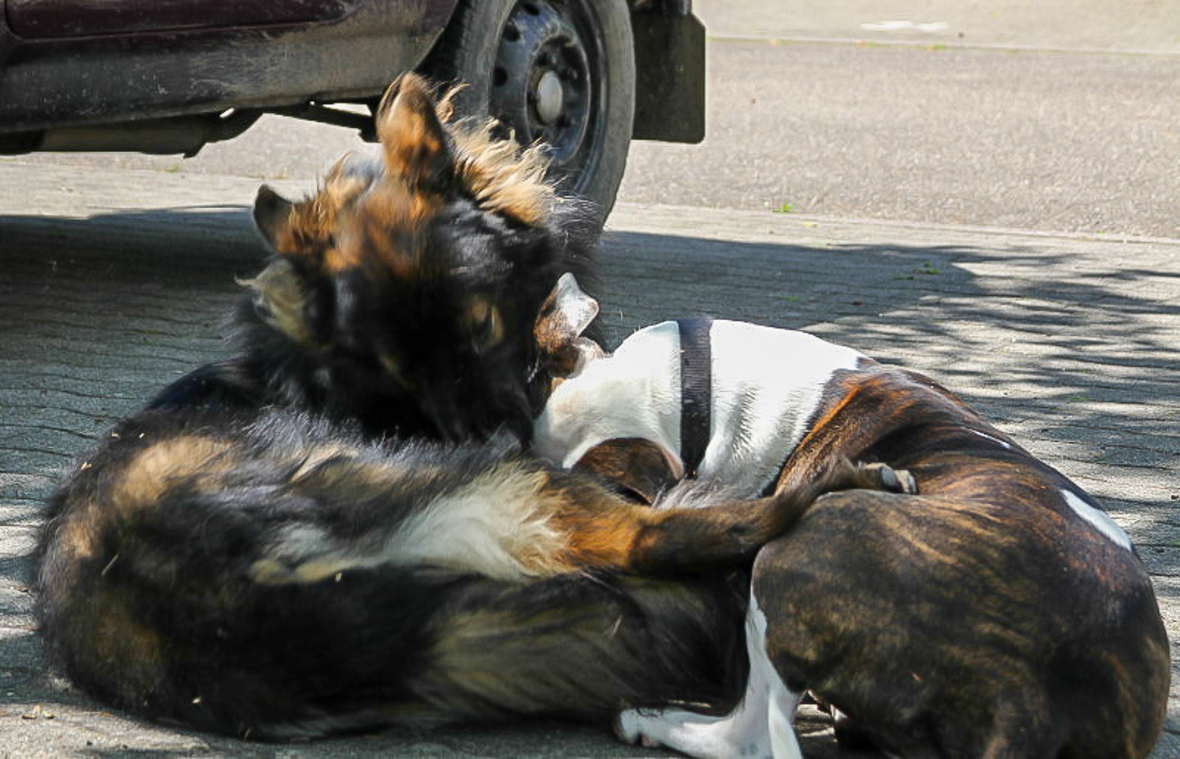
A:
x: 1074, y: 355
x: 1021, y: 332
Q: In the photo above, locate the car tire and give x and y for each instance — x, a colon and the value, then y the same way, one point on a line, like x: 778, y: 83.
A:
x: 558, y: 71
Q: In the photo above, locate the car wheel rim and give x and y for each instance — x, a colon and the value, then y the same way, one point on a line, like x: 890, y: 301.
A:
x: 545, y: 80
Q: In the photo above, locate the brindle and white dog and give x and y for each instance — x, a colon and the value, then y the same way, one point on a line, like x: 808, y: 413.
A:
x: 997, y: 612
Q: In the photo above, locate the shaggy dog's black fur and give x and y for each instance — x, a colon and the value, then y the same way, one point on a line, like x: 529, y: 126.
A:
x: 250, y: 555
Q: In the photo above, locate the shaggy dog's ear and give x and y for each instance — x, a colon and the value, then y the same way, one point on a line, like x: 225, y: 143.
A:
x: 416, y: 145
x: 565, y: 315
x: 272, y: 214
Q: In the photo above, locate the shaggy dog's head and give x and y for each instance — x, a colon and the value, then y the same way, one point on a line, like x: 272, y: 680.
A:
x: 406, y: 291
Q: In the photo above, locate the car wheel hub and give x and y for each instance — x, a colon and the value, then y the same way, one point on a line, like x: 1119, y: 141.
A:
x: 550, y: 97
x: 541, y: 81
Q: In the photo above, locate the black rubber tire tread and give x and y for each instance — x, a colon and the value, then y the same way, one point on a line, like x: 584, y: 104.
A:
x: 466, y: 53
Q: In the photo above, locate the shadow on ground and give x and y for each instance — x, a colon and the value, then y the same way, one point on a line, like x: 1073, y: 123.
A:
x: 1075, y: 355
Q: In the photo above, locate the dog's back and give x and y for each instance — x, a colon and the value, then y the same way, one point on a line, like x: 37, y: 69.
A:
x: 999, y: 612
x: 965, y: 629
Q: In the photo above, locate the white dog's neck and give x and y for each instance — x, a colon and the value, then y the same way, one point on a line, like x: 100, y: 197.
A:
x: 766, y: 385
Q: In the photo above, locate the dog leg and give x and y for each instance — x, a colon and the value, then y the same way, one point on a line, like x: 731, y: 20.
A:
x: 846, y: 475
x: 725, y: 532
x: 761, y: 727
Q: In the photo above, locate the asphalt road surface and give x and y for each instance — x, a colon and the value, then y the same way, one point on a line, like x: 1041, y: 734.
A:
x: 985, y: 194
x: 1060, y: 117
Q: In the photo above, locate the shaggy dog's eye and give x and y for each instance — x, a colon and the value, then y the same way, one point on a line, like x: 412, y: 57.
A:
x: 484, y: 323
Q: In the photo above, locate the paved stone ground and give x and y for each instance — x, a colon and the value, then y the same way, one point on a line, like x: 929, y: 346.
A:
x: 113, y: 284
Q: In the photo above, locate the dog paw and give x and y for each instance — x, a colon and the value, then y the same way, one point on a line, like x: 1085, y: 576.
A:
x: 894, y: 480
x: 878, y: 476
x: 627, y: 728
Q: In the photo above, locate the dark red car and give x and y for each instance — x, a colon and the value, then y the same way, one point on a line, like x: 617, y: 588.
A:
x: 168, y: 76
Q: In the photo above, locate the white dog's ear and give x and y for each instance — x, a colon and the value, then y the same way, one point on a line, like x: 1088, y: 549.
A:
x: 643, y: 467
x: 565, y: 315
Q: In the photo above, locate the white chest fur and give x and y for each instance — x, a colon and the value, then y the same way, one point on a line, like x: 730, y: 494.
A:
x: 766, y: 385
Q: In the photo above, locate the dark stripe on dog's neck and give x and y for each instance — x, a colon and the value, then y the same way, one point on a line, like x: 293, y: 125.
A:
x: 696, y: 390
